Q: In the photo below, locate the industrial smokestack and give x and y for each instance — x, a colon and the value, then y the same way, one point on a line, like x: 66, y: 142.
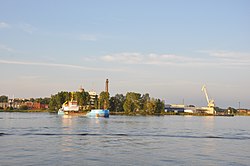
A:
x: 107, y: 85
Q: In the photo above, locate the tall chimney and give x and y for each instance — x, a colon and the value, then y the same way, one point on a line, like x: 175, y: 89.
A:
x: 107, y: 85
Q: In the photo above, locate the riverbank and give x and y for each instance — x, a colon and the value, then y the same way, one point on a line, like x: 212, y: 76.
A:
x: 37, y: 110
x: 125, y: 114
x: 175, y: 114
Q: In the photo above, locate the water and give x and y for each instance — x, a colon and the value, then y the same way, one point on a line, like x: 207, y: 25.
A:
x: 49, y: 139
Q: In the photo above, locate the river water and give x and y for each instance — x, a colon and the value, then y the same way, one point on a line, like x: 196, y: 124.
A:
x: 49, y: 139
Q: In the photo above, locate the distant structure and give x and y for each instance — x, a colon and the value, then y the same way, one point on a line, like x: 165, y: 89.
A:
x: 93, y: 99
x: 107, y: 86
x: 81, y: 89
x: 210, y: 102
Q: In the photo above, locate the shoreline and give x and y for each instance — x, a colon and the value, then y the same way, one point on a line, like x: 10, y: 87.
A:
x: 122, y: 113
x: 26, y: 111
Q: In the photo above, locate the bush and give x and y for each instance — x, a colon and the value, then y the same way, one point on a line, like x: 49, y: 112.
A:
x: 23, y: 107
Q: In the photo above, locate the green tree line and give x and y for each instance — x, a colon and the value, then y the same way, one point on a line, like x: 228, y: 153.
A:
x: 82, y: 98
x: 131, y: 104
x: 135, y: 103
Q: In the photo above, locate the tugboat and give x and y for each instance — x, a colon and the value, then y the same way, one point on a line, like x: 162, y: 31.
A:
x: 69, y: 107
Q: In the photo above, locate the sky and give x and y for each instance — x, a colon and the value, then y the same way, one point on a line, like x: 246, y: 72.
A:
x: 167, y: 48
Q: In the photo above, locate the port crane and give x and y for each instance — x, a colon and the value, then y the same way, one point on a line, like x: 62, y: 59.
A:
x: 210, y: 102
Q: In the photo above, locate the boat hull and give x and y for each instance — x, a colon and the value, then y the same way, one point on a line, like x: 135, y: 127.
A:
x: 98, y: 113
x: 60, y: 112
x: 73, y: 113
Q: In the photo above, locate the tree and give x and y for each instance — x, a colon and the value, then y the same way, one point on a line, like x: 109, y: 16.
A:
x: 160, y: 106
x: 104, y: 100
x: 57, y: 100
x: 82, y: 98
x: 144, y: 100
x: 132, y: 102
x: 151, y: 105
x: 112, y: 104
x: 45, y: 100
x: 53, y: 103
x: 61, y: 97
x: 116, y: 103
x: 3, y: 98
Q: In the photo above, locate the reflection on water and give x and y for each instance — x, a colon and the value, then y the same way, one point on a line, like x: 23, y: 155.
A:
x: 47, y: 139
x: 209, y: 121
x: 66, y: 120
x: 209, y: 145
x: 66, y: 140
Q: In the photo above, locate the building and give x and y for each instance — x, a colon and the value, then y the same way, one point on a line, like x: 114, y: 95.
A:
x: 4, y: 105
x: 93, y: 99
x: 244, y: 111
x: 37, y: 105
x: 180, y: 108
x: 177, y: 108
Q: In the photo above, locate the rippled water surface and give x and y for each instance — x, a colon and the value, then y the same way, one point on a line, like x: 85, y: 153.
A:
x: 49, y: 139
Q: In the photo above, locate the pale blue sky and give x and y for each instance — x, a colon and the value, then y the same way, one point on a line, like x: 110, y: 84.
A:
x: 167, y: 48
